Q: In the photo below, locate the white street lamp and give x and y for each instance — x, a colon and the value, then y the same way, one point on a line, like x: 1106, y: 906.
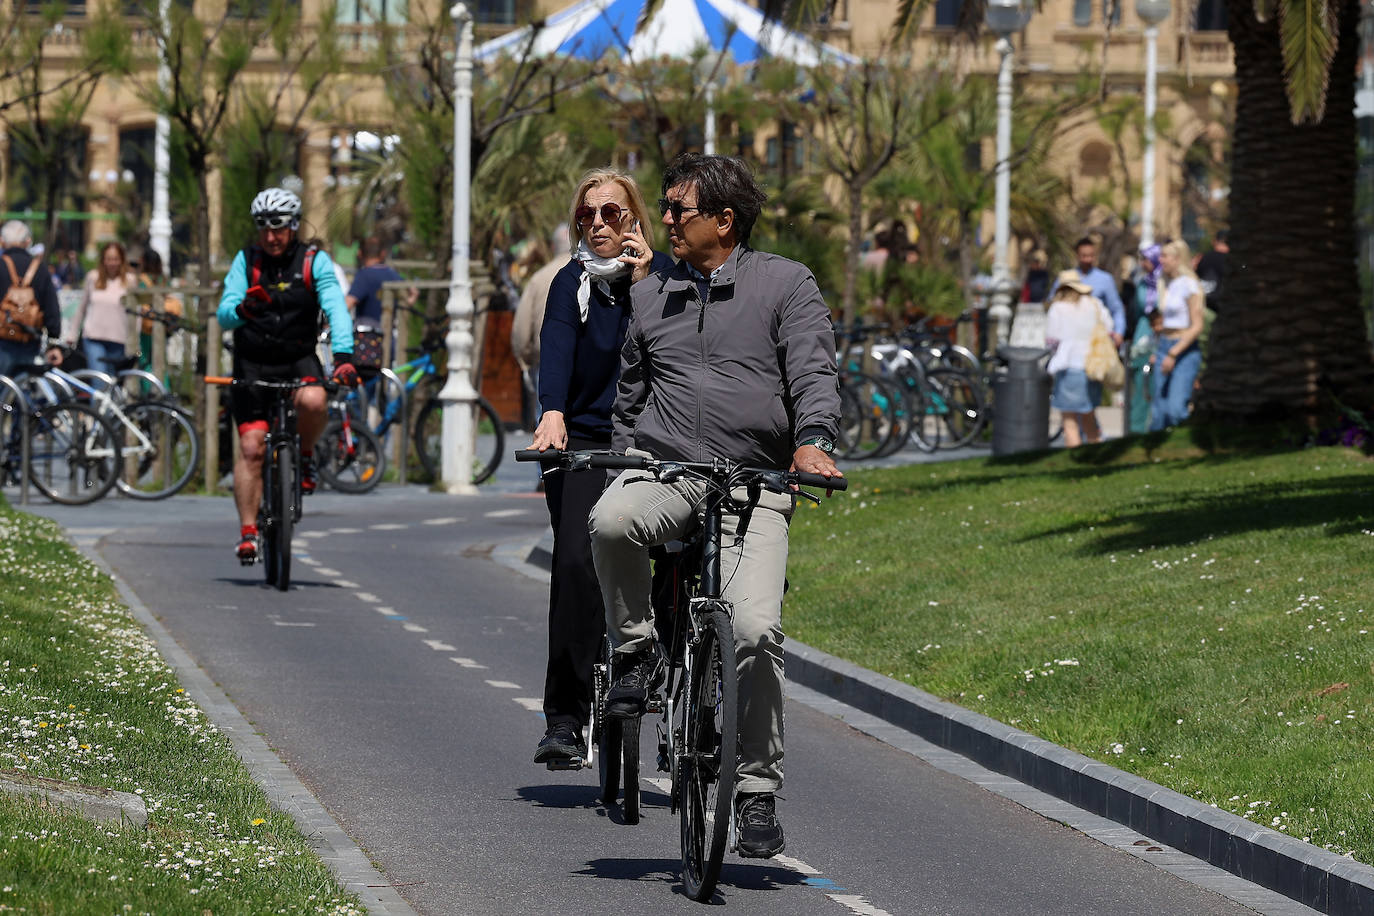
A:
x: 458, y: 394
x: 160, y: 226
x: 1004, y: 18
x: 1152, y: 13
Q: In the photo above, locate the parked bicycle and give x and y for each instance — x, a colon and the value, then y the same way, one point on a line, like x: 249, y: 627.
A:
x: 74, y: 455
x: 348, y: 455
x: 698, y: 705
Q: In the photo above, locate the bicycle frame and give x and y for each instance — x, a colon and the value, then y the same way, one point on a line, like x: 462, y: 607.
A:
x: 105, y: 404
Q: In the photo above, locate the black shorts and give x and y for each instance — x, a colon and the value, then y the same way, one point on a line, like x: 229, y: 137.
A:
x: 250, y: 405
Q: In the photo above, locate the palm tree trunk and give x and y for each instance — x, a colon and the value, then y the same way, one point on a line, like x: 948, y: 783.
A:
x: 1289, y: 333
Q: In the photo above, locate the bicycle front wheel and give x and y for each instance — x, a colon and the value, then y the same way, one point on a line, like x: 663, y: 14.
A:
x: 161, y: 451
x: 353, y: 464
x: 605, y: 735
x: 960, y: 404
x: 489, y: 439
x: 710, y: 748
x: 74, y: 453
x: 284, y: 491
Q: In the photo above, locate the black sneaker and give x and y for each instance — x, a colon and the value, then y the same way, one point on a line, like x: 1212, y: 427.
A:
x: 561, y: 742
x: 308, y: 482
x: 629, y: 695
x: 760, y: 834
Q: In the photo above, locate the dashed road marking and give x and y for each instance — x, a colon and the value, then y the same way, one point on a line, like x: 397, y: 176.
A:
x: 345, y: 531
x: 413, y: 628
x: 858, y: 904
x: 441, y: 521
x: 345, y: 583
x: 327, y: 572
x: 368, y: 597
x: 387, y: 611
x: 533, y: 704
x: 388, y: 526
x: 307, y: 560
x: 438, y: 645
x: 468, y: 663
x: 311, y: 535
x: 504, y: 685
x: 291, y: 623
x: 504, y: 513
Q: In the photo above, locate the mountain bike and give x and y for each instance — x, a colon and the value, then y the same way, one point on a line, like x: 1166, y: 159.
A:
x: 280, y: 509
x: 698, y: 705
x: 74, y: 456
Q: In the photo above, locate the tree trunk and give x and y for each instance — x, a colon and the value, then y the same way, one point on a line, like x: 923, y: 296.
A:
x: 851, y: 253
x: 1289, y: 332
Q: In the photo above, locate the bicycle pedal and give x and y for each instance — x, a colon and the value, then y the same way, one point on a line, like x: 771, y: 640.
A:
x: 565, y: 763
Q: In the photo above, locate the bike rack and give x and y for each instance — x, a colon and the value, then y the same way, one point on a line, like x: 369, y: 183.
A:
x: 21, y: 406
x: 403, y: 446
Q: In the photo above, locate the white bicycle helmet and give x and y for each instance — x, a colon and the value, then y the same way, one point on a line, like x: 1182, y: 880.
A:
x: 276, y: 208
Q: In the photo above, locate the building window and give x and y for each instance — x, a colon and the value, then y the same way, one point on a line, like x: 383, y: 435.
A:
x: 367, y: 12
x: 1082, y: 13
x: 947, y: 13
x: 496, y: 12
x: 1111, y: 9
x: 1211, y: 16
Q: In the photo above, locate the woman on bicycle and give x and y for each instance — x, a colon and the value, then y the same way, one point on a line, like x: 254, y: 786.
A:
x: 585, y: 318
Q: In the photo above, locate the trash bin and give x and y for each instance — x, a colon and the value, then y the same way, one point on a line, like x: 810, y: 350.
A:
x: 1021, y: 401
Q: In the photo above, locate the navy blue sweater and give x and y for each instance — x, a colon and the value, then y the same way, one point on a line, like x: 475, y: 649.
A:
x: 579, y: 364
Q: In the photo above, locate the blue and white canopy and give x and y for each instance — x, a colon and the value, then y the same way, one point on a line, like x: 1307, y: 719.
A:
x: 590, y: 29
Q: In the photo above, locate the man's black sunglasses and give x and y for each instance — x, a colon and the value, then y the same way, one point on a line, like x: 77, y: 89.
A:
x: 675, y: 207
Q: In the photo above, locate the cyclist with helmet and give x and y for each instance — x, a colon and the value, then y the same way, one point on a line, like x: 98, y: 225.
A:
x: 273, y: 295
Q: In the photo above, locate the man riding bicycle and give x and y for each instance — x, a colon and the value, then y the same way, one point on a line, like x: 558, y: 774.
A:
x: 729, y: 354
x: 273, y: 295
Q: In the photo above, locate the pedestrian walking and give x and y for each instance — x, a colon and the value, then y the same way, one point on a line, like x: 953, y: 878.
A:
x: 1211, y: 269
x: 1102, y: 284
x: 1073, y: 315
x: 365, y: 300
x: 587, y: 313
x: 101, y: 324
x: 1177, y: 355
x: 529, y: 321
x: 19, y: 347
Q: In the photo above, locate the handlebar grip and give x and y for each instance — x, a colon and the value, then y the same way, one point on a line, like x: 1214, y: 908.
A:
x: 821, y: 482
x: 620, y: 462
x: 218, y: 380
x: 533, y: 454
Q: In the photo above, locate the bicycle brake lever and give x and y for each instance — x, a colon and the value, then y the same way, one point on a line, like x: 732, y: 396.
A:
x: 670, y: 473
x: 811, y: 496
x: 579, y: 462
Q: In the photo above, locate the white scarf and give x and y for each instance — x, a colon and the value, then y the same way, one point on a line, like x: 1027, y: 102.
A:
x: 598, y: 269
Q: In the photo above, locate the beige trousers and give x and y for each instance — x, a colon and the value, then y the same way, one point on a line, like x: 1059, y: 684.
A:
x: 637, y: 512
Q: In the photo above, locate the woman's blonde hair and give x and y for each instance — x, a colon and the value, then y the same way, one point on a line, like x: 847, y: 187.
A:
x: 100, y: 276
x: 595, y: 179
x: 1179, y: 249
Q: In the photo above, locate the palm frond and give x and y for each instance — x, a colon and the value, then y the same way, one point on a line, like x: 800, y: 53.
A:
x: 1308, y: 34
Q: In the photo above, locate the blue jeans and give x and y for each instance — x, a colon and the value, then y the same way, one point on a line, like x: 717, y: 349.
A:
x: 17, y: 358
x: 1173, y: 389
x: 102, y: 354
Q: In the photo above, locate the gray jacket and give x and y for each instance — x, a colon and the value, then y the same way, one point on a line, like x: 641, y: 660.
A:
x: 745, y: 375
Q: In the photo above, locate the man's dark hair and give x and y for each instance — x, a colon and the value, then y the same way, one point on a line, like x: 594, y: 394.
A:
x: 1222, y: 236
x: 370, y: 248
x: 1085, y: 240
x: 722, y: 182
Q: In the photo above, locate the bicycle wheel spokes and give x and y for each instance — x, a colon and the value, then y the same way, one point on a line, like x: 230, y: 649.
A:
x: 709, y: 754
x: 161, y: 451
x: 961, y: 405
x: 74, y: 453
x: 350, y: 464
x: 488, y: 439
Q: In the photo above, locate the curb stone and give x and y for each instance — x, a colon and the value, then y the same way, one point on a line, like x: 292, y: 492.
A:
x: 325, y: 835
x: 94, y: 802
x: 1312, y: 876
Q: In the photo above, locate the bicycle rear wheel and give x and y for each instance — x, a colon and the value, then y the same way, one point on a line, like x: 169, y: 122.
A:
x: 961, y: 405
x: 355, y: 465
x: 605, y: 735
x: 162, y: 456
x: 489, y: 439
x: 629, y: 756
x: 74, y: 453
x: 284, y: 491
x: 710, y: 749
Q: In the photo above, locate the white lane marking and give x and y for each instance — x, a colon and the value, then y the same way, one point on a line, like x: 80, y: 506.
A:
x: 368, y: 597
x: 310, y: 535
x: 441, y: 521
x: 663, y: 784
x: 345, y: 583
x: 503, y: 513
x: 413, y: 628
x: 533, y: 704
x: 468, y: 663
x: 794, y: 864
x: 388, y: 526
x: 288, y: 623
x: 329, y: 573
x: 858, y: 904
x: 345, y: 531
x: 307, y: 560
x: 388, y: 611
x: 504, y: 685
x: 438, y: 646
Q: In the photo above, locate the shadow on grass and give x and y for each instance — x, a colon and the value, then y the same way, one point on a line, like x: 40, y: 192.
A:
x: 1341, y: 504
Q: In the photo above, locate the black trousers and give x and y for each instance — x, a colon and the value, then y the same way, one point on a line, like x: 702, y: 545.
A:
x: 577, y: 616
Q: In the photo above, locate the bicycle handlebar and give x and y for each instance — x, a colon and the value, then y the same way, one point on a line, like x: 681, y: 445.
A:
x: 271, y: 383
x: 639, y: 463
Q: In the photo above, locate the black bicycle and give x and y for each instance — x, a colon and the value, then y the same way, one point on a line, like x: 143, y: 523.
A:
x: 280, y: 509
x: 697, y: 705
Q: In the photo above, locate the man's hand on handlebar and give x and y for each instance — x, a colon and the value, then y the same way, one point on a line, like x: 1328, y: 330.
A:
x: 812, y: 460
x: 345, y: 373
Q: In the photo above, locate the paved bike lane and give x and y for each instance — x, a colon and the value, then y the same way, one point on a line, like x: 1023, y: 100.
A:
x: 400, y: 680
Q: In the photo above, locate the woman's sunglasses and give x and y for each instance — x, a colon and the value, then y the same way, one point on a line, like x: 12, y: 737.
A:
x: 611, y: 215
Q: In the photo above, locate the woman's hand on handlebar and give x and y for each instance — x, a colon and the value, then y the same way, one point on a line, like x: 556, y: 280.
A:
x: 811, y: 460
x: 550, y: 433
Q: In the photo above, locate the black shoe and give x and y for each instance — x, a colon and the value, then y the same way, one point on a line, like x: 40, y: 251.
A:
x: 308, y: 482
x: 561, y: 742
x: 640, y: 674
x: 760, y: 834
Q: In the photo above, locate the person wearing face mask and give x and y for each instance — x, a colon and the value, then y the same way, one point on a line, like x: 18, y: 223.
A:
x: 585, y: 317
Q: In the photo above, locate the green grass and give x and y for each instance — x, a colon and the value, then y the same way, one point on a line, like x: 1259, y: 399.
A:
x: 1202, y: 619
x: 85, y: 697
